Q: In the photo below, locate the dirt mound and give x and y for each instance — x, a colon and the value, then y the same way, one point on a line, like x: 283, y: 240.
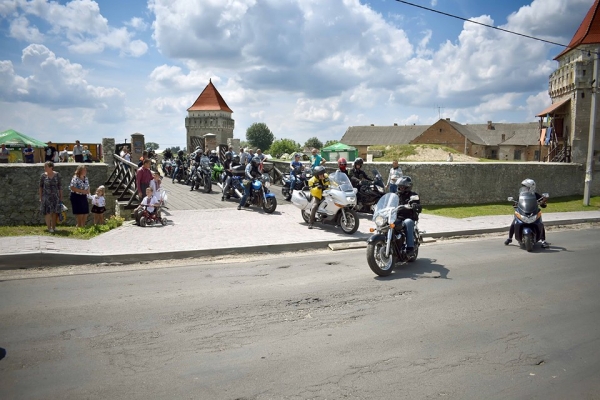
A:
x: 430, y: 154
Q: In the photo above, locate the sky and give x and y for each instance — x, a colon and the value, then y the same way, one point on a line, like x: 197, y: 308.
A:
x: 89, y: 70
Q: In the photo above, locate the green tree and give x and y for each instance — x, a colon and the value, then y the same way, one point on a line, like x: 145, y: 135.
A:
x: 330, y: 142
x: 259, y: 135
x: 314, y: 142
x: 152, y: 145
x: 282, y: 146
x: 174, y: 149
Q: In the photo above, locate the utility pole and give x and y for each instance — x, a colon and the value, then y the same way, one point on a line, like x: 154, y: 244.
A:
x: 589, y: 169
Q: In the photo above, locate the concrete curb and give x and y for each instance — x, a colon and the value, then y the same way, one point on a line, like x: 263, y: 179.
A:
x: 53, y: 259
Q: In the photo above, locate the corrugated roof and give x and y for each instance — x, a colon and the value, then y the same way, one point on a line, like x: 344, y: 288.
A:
x: 210, y: 100
x: 588, y: 32
x: 382, y: 135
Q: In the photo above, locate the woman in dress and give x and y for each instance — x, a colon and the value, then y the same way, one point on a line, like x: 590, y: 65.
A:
x: 80, y: 188
x: 50, y: 195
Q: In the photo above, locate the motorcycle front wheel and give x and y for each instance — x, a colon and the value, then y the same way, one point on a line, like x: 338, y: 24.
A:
x: 528, y: 242
x: 207, y: 184
x: 378, y: 262
x: 305, y: 215
x: 270, y: 205
x: 351, y: 224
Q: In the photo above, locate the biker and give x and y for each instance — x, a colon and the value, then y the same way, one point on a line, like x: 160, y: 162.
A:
x: 528, y: 186
x: 318, y: 183
x: 342, y: 166
x: 179, y: 161
x: 407, y: 216
x: 252, y: 173
x: 168, y: 154
x: 213, y: 157
x: 228, y: 173
x: 295, y: 168
x: 196, y: 156
x: 357, y: 174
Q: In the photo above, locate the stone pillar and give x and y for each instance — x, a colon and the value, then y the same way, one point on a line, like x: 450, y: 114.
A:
x: 235, y: 143
x: 108, y: 150
x: 210, y: 142
x: 138, y: 145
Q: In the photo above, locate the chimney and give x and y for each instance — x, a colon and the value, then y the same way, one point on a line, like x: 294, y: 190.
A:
x: 372, y: 124
x: 447, y: 119
x: 490, y: 126
x: 395, y: 124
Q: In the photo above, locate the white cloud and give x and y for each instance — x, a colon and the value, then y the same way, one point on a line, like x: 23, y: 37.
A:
x: 137, y: 23
x: 78, y: 21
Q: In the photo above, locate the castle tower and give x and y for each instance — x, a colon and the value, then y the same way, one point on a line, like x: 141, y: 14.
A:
x: 208, y: 114
x: 570, y: 87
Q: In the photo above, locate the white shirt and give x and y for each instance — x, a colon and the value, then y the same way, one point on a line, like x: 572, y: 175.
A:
x: 99, y: 201
x: 395, y: 174
x: 155, y: 190
x: 77, y: 150
x: 147, y: 201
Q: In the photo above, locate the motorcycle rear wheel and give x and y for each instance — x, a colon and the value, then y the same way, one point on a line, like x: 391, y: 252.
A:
x: 270, y: 205
x: 352, y: 222
x: 305, y: 216
x: 378, y: 262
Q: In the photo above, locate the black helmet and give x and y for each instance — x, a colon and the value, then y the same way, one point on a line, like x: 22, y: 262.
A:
x: 319, y: 170
x: 236, y: 159
x: 255, y: 161
x: 180, y: 153
x: 404, y: 184
x: 358, y: 161
x: 228, y: 155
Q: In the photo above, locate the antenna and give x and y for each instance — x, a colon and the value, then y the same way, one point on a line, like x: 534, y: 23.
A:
x: 440, y: 109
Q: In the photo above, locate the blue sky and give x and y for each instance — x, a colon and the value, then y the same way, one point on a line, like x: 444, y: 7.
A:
x: 87, y: 69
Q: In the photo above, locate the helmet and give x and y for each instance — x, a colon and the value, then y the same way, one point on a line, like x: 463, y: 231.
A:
x: 197, y: 148
x: 319, y: 170
x: 342, y: 164
x: 255, y: 161
x: 228, y: 155
x: 404, y: 184
x: 236, y: 159
x: 358, y: 161
x: 200, y: 151
x: 213, y: 152
x: 180, y: 153
x: 528, y: 185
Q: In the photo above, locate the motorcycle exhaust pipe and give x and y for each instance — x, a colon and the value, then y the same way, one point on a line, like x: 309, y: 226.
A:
x: 238, y: 193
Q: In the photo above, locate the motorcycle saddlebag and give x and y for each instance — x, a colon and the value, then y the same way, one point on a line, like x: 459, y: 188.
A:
x: 300, y: 197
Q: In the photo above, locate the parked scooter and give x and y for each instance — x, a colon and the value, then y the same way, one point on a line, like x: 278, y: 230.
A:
x: 369, y: 193
x: 387, y: 245
x: 336, y: 207
x: 528, y: 219
x: 300, y: 182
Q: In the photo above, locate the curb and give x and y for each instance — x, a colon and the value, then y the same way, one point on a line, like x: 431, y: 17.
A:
x: 50, y: 259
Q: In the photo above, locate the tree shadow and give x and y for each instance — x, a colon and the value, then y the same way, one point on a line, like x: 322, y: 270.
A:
x: 418, y: 270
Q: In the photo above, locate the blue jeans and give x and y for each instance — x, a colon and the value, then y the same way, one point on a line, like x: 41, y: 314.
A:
x: 247, y: 190
x: 393, y: 188
x: 409, y: 224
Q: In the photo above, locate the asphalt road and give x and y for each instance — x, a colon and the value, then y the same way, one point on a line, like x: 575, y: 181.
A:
x: 471, y: 319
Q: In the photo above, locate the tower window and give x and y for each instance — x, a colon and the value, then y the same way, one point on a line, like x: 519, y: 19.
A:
x: 583, y: 72
x: 583, y: 95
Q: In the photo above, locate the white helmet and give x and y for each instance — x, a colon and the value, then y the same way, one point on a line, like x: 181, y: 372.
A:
x: 529, y: 184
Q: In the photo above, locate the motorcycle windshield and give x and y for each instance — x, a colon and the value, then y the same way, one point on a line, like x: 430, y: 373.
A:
x: 386, y: 207
x: 377, y: 178
x: 205, y: 161
x: 527, y: 202
x: 339, y: 180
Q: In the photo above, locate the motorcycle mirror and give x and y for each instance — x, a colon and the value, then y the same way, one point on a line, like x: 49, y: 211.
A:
x: 511, y: 199
x: 546, y: 195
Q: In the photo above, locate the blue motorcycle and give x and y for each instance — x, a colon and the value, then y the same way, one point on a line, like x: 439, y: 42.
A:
x: 528, y: 219
x: 261, y: 196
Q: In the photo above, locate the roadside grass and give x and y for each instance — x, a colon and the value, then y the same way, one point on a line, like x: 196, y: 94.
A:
x: 70, y: 232
x: 559, y: 204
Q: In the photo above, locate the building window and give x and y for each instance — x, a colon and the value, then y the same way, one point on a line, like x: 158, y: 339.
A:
x: 584, y: 72
x: 494, y: 155
x: 517, y: 155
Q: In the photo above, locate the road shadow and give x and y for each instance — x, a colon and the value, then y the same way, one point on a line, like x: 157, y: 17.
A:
x: 2, y: 353
x: 419, y: 269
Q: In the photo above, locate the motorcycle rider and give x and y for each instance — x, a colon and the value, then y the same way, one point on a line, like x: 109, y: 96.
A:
x: 295, y: 167
x: 213, y: 157
x: 356, y: 175
x: 228, y: 173
x: 252, y: 172
x: 342, y: 166
x: 318, y: 183
x: 528, y: 186
x: 167, y: 154
x: 407, y: 216
x: 179, y: 162
x: 196, y: 156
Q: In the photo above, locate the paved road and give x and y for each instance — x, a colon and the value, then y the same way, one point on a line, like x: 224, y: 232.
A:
x: 471, y: 319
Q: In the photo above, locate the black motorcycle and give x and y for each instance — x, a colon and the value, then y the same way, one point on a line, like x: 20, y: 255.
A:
x: 300, y: 182
x: 181, y: 173
x: 200, y: 175
x: 236, y: 187
x: 369, y: 193
x: 387, y: 246
x: 167, y: 166
x: 528, y: 219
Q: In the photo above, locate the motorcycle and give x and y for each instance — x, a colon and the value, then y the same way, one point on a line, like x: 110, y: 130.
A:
x: 387, y: 245
x: 528, y: 219
x: 181, y: 173
x: 167, y: 166
x: 369, y: 193
x: 261, y: 196
x: 302, y: 178
x: 217, y: 174
x: 200, y: 175
x: 236, y: 187
x: 337, y: 205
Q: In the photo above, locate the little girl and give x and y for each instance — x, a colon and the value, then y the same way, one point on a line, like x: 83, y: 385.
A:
x: 98, y: 205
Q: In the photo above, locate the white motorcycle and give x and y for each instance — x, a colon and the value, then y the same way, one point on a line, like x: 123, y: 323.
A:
x: 337, y: 205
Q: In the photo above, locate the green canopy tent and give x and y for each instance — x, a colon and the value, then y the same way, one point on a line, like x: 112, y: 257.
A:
x: 16, y: 142
x: 339, y: 150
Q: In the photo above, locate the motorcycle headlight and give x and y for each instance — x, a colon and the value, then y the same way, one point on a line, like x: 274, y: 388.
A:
x: 267, y: 184
x: 379, y: 220
x: 351, y: 199
x: 382, y: 190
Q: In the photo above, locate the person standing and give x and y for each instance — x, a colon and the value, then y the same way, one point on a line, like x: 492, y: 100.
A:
x: 450, y: 158
x: 28, y: 154
x: 243, y: 156
x: 64, y: 155
x: 143, y: 176
x: 395, y: 174
x: 4, y: 153
x: 49, y: 152
x: 78, y: 152
x: 316, y: 159
x: 80, y: 189
x: 50, y: 193
x: 87, y: 155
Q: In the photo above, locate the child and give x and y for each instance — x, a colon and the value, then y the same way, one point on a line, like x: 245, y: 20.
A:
x: 155, y: 185
x: 149, y: 202
x: 98, y: 205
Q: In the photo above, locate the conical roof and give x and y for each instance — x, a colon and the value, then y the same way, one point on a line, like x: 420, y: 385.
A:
x: 588, y: 32
x: 210, y: 100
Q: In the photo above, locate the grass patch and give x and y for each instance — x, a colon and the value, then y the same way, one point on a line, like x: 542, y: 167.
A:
x: 70, y: 232
x: 559, y: 204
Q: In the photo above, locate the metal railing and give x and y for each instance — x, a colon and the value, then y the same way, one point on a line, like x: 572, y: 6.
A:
x: 122, y: 182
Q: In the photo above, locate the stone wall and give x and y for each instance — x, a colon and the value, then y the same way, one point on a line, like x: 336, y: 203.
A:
x: 19, y: 188
x: 441, y: 183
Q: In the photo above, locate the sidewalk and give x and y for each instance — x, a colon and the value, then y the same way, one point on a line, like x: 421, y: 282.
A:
x: 214, y: 232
